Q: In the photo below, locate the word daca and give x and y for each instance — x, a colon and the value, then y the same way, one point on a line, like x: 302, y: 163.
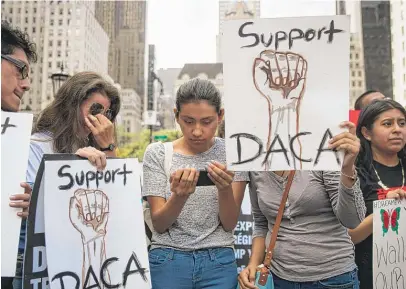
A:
x: 277, y: 139
x: 291, y: 36
x: 93, y: 282
x: 107, y: 176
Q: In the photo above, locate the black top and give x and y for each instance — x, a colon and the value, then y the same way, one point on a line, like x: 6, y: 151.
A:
x: 391, y: 177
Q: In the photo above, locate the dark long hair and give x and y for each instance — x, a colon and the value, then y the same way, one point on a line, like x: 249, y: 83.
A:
x: 62, y: 117
x: 366, y: 119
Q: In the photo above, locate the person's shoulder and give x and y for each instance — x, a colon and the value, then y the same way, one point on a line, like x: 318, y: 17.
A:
x: 41, y: 137
x: 155, y: 151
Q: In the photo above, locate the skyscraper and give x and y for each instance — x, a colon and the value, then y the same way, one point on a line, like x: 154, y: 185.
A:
x: 376, y: 38
x: 240, y: 9
x: 66, y: 33
x: 124, y: 22
x: 398, y: 19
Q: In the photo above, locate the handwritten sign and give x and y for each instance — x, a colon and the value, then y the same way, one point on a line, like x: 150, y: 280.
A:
x: 286, y: 88
x: 389, y: 244
x: 15, y: 143
x: 92, y: 221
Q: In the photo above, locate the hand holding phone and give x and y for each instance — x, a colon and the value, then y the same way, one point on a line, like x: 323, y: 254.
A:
x: 220, y: 176
x: 204, y: 180
x: 183, y: 181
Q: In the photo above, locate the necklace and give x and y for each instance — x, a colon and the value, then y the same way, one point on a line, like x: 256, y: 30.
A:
x: 383, y: 186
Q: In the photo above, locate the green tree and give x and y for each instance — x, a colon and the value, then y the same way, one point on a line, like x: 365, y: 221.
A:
x: 136, y: 148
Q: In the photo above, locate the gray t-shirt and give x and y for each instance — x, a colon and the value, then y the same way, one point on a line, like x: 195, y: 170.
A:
x: 313, y: 243
x: 198, y: 225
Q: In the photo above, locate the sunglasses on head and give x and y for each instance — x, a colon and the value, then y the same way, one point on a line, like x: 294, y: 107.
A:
x: 21, y: 66
x: 97, y: 108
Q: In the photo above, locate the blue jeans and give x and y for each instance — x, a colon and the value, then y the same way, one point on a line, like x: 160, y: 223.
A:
x: 344, y: 281
x: 210, y: 268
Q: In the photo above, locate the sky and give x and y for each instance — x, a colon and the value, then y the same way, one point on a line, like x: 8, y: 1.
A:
x: 184, y: 31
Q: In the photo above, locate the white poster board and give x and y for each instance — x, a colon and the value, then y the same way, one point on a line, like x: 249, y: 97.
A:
x: 15, y: 143
x: 389, y: 244
x: 286, y: 88
x: 93, y: 226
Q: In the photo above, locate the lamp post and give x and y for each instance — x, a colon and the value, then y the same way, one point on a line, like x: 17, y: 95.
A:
x: 154, y: 77
x: 58, y: 79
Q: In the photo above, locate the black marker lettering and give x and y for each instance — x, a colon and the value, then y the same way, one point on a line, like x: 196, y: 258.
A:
x: 292, y: 38
x: 61, y: 175
x: 251, y: 137
x: 90, y: 176
x: 103, y: 273
x: 6, y: 125
x: 332, y: 31
x: 90, y: 271
x: 67, y: 274
x: 280, y: 36
x: 124, y: 173
x: 139, y: 270
x: 80, y: 180
x: 309, y: 35
x: 322, y: 149
x: 242, y: 35
x: 293, y: 151
x: 282, y: 149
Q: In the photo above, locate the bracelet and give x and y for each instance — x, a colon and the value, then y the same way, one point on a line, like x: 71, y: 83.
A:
x: 353, y: 177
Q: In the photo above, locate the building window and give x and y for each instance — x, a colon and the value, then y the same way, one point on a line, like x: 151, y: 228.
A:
x: 35, y: 10
x: 60, y: 21
x: 59, y: 53
x: 61, y: 11
x: 59, y: 43
x: 51, y: 22
x: 49, y: 65
x: 26, y: 20
x: 359, y: 73
x: 11, y: 10
x: 33, y: 30
x: 19, y: 10
x: 353, y: 83
x: 50, y: 43
x: 353, y: 73
x: 33, y: 20
x: 50, y: 54
x: 359, y: 83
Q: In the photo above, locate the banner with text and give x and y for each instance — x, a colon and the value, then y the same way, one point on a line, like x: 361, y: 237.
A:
x: 15, y: 144
x: 243, y: 233
x: 389, y: 244
x: 286, y: 89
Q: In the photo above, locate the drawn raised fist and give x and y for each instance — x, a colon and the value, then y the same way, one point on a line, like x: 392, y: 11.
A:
x: 280, y: 77
x: 89, y: 212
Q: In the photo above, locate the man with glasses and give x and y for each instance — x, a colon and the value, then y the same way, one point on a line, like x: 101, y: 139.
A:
x: 17, y: 52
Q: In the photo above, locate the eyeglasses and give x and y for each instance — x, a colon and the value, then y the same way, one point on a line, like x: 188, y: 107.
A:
x: 22, y: 67
x: 97, y: 108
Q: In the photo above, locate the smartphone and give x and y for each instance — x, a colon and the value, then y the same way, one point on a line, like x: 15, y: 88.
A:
x: 204, y: 180
x: 96, y: 108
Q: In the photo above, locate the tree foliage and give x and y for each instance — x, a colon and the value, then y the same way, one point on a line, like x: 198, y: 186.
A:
x: 134, y: 145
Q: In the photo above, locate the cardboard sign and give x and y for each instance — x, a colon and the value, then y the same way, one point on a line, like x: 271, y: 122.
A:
x: 86, y: 226
x: 15, y: 143
x: 389, y: 244
x: 286, y: 88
